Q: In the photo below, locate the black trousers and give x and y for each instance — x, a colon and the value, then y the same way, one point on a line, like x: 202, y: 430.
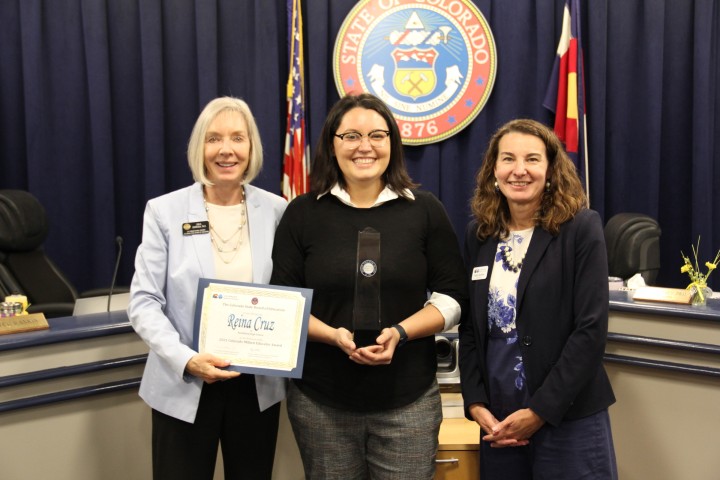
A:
x: 228, y: 414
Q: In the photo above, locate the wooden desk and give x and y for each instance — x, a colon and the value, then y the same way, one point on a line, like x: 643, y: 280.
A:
x: 664, y: 359
x: 458, y: 455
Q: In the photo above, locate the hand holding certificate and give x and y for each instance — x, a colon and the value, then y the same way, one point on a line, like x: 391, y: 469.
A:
x: 260, y: 329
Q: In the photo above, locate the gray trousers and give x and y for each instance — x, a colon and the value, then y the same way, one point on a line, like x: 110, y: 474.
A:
x: 397, y: 444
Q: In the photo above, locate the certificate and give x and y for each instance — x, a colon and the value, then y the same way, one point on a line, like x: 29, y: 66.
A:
x: 260, y: 329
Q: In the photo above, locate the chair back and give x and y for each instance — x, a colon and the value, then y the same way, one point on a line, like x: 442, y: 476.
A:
x: 23, y: 229
x: 8, y: 283
x: 633, y: 246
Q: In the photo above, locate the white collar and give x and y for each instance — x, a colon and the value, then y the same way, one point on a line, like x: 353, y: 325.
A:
x: 386, y: 195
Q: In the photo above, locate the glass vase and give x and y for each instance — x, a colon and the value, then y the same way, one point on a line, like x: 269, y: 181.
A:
x: 698, y: 299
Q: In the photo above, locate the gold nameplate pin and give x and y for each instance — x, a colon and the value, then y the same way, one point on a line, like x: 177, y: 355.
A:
x: 196, y: 228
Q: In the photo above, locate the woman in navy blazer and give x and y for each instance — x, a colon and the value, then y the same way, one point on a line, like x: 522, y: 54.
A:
x: 531, y: 348
x: 219, y: 227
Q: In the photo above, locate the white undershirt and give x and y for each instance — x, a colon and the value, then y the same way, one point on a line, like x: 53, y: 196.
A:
x: 225, y: 221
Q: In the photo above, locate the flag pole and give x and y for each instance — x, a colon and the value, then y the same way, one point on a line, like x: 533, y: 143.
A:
x: 586, y: 155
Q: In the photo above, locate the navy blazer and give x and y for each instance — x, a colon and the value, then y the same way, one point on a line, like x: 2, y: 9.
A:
x: 561, y: 318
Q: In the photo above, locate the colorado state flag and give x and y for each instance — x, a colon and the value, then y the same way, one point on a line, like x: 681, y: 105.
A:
x: 565, y: 94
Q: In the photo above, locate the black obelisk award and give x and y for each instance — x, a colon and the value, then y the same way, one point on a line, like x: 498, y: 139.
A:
x: 366, y: 309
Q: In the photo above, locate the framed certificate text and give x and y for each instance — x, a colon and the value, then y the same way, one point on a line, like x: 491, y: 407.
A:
x: 260, y: 329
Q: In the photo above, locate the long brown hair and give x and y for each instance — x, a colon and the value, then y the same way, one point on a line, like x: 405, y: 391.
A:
x: 560, y: 202
x: 325, y: 172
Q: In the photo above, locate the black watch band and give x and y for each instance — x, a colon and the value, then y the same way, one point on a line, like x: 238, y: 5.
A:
x: 403, y: 335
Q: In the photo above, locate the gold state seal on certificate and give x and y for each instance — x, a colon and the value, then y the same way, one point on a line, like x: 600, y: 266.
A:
x: 260, y: 329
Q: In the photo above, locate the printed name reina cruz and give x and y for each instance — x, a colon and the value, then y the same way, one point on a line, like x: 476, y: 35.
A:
x: 256, y: 324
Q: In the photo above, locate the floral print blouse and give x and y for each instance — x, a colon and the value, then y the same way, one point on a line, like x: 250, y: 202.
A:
x: 507, y: 387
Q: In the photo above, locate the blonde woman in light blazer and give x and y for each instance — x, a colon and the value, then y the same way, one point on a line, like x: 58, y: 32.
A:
x: 196, y: 404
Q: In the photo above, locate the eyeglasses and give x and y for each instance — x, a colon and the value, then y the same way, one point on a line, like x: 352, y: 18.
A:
x: 352, y: 140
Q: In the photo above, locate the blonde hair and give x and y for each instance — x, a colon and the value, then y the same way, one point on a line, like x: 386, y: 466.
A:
x: 196, y: 145
x: 560, y: 202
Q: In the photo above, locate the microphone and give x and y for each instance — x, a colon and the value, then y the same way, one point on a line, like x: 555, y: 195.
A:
x: 119, y: 241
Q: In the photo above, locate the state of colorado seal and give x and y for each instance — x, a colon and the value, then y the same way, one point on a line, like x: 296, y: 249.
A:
x: 432, y: 61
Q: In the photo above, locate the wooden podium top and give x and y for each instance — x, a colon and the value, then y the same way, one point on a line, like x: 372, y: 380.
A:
x: 459, y: 434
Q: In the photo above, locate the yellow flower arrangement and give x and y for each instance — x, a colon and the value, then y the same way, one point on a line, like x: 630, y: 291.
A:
x: 698, y: 279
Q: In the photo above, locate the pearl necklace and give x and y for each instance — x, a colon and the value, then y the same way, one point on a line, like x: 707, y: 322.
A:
x: 507, y: 256
x: 509, y: 262
x: 220, y: 243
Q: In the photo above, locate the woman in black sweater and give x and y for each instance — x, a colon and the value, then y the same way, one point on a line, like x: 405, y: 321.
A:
x: 374, y: 410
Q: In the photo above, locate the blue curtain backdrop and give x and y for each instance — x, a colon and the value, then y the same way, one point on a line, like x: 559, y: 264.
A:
x: 98, y: 97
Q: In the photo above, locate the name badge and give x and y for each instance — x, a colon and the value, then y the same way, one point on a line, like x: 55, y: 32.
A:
x: 195, y: 228
x: 479, y: 273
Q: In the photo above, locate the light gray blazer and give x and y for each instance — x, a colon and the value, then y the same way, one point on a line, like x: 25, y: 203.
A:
x: 168, y: 265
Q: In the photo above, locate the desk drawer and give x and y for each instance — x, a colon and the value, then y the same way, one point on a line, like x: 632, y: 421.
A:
x: 457, y: 465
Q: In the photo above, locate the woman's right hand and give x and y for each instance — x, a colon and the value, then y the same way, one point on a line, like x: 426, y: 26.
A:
x: 488, y: 423
x: 483, y: 417
x: 206, y: 367
x: 319, y: 331
x: 344, y: 340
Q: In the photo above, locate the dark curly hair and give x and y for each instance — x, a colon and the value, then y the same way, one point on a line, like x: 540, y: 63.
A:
x: 325, y: 170
x: 559, y: 203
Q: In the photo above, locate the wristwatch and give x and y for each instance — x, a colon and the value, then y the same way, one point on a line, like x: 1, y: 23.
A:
x: 403, y: 334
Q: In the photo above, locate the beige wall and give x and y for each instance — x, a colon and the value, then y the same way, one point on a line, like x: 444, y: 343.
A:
x: 102, y: 437
x: 106, y: 437
x: 665, y: 424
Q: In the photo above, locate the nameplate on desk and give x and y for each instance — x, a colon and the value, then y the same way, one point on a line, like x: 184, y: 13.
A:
x: 667, y: 295
x: 23, y: 323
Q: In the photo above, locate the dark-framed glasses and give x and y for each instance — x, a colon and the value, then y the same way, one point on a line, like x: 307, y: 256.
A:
x: 352, y: 140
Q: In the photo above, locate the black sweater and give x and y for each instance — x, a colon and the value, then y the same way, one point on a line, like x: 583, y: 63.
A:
x: 316, y: 247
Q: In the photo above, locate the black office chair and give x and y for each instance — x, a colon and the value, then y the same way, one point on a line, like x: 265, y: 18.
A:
x: 26, y: 269
x: 633, y: 246
x: 8, y: 284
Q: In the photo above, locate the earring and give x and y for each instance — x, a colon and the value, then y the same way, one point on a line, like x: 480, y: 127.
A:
x: 547, y: 186
x: 497, y: 187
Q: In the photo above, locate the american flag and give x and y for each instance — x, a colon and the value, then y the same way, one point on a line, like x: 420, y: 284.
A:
x: 565, y: 94
x: 297, y: 154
